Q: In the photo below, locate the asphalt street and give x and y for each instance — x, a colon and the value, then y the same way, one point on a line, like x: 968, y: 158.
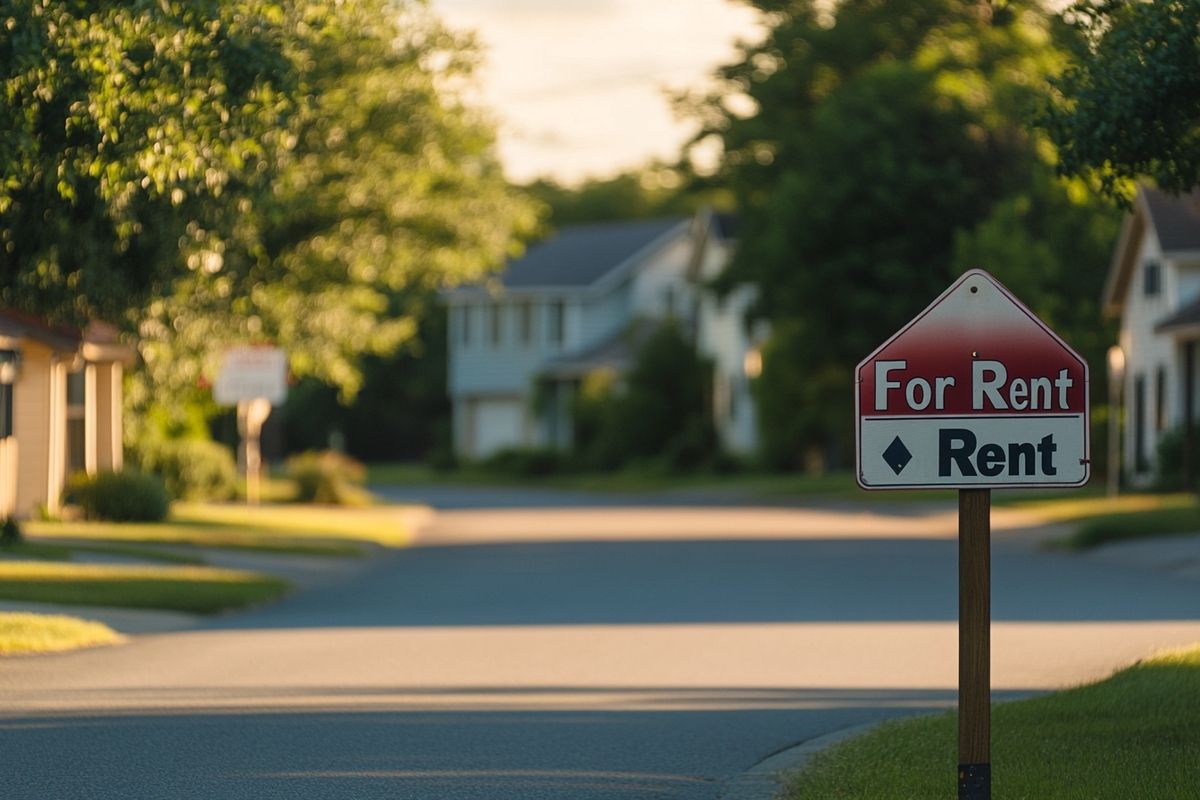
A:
x: 539, y: 645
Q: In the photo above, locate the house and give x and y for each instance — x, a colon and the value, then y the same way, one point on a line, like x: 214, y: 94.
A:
x: 1154, y: 288
x: 571, y: 306
x: 60, y: 408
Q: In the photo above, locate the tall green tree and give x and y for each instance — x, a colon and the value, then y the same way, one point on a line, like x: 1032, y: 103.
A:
x: 877, y: 134
x: 390, y: 190
x: 126, y: 124
x: 1129, y: 104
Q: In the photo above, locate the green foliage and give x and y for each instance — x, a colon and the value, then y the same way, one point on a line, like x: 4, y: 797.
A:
x: 129, y: 126
x: 658, y: 412
x: 10, y: 532
x: 527, y: 461
x: 227, y: 171
x: 1128, y: 106
x: 390, y: 190
x: 327, y: 477
x: 126, y: 496
x: 191, y: 469
x: 1168, y: 472
x: 1138, y: 737
x: 656, y: 190
x: 402, y: 410
x: 888, y: 143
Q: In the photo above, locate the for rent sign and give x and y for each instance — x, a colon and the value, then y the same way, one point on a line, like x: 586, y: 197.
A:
x: 975, y: 392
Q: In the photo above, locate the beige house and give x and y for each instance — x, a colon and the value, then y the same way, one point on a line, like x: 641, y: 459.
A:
x: 60, y: 408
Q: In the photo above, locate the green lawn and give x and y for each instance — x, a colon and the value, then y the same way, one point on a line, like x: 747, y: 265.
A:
x: 1132, y: 736
x: 46, y: 633
x: 293, y: 528
x: 1100, y: 520
x: 197, y: 590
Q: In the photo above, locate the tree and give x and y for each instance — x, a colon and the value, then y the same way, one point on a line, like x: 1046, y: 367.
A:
x: 391, y: 191
x: 878, y: 132
x: 656, y: 190
x: 1128, y: 106
x: 126, y: 123
x: 658, y: 412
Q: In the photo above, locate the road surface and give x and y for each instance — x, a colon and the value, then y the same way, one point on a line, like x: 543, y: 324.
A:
x: 551, y: 646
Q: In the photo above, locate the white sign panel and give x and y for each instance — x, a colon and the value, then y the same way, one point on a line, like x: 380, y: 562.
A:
x: 975, y: 392
x: 249, y: 373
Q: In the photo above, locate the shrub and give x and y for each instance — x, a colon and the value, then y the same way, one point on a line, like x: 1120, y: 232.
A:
x: 527, y: 461
x: 327, y: 477
x: 1168, y: 471
x: 192, y: 469
x: 126, y: 496
x: 10, y: 532
x: 659, y: 412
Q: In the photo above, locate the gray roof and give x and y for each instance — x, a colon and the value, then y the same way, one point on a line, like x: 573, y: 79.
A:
x: 580, y: 255
x: 1186, y: 317
x: 1176, y: 219
x: 18, y: 324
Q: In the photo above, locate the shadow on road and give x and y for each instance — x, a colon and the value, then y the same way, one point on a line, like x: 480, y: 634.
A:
x: 719, y: 581
x: 466, y: 750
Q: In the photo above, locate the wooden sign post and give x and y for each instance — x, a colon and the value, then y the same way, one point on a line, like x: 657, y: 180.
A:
x: 975, y: 393
x: 974, y: 644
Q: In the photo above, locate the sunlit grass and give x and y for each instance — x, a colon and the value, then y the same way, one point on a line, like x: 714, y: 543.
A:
x: 1070, y: 507
x: 306, y: 529
x: 69, y: 551
x: 1134, y: 735
x: 199, y: 590
x: 46, y: 633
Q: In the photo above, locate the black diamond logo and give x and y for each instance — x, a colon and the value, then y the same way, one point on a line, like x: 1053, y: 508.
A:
x: 897, y: 455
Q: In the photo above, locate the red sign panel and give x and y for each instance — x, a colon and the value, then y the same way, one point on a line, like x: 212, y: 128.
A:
x: 976, y: 391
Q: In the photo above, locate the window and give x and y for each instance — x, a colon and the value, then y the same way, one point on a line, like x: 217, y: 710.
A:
x: 495, y: 324
x: 1151, y: 279
x: 6, y: 412
x: 464, y: 330
x: 76, y: 422
x: 525, y: 322
x: 1160, y: 399
x: 8, y: 374
x: 557, y: 322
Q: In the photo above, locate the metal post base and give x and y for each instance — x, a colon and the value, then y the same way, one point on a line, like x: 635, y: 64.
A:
x: 974, y: 782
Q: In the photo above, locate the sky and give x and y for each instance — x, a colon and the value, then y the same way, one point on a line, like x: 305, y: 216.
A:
x: 579, y: 88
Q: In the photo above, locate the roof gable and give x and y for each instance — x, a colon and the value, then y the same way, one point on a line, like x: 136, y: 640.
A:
x: 1175, y: 222
x: 582, y: 255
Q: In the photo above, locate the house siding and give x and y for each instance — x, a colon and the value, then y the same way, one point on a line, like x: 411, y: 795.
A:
x: 487, y: 376
x: 39, y: 425
x: 1147, y: 352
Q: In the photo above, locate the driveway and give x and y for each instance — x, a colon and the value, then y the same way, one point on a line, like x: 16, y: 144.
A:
x: 568, y: 646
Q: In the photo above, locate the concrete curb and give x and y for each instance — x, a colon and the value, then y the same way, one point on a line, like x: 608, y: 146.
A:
x: 764, y: 780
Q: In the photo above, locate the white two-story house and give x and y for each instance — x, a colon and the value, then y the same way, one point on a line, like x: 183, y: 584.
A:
x: 1154, y: 288
x: 567, y: 308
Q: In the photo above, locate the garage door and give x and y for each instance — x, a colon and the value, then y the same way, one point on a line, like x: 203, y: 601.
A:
x: 498, y: 424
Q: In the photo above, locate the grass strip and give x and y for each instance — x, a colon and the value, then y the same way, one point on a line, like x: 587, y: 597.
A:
x: 197, y: 590
x: 67, y: 550
x: 299, y: 529
x: 1134, y: 735
x: 48, y: 633
x: 1139, y: 525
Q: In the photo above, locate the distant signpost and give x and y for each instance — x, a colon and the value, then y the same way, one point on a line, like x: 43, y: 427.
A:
x: 975, y: 393
x: 254, y: 379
